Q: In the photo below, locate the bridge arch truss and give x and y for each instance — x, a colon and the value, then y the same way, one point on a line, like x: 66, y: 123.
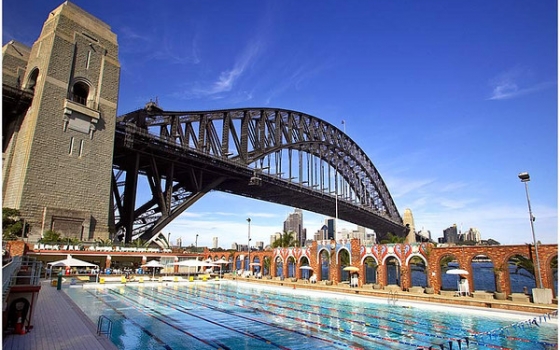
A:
x: 276, y: 155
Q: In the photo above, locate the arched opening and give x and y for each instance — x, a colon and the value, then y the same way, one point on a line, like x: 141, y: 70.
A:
x: 448, y: 282
x: 325, y: 263
x: 370, y: 267
x: 291, y: 267
x: 229, y: 266
x: 266, y: 266
x: 554, y: 270
x: 393, y: 271
x: 80, y: 92
x: 483, y: 274
x: 343, y: 261
x: 418, y: 272
x: 521, y: 274
x: 305, y: 269
x: 32, y: 80
x: 279, y: 267
x: 238, y: 262
x: 256, y: 265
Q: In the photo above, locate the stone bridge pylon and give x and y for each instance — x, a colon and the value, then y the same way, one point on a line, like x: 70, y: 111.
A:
x: 60, y: 102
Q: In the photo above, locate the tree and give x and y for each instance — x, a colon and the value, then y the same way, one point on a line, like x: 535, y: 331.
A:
x: 285, y: 240
x: 391, y: 239
x: 50, y: 236
x: 522, y: 263
x: 12, y: 224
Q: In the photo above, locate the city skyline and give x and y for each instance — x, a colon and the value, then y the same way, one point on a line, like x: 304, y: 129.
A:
x: 450, y: 101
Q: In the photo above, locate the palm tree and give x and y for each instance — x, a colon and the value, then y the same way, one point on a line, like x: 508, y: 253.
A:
x: 391, y: 239
x: 285, y: 240
x: 522, y: 263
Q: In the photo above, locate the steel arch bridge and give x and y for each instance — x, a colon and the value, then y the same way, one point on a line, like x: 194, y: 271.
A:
x: 275, y: 155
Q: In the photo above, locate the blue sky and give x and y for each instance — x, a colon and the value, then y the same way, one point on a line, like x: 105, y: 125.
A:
x: 450, y: 99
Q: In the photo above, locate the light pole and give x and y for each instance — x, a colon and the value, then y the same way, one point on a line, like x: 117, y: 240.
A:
x: 524, y: 177
x: 249, y: 243
x: 168, y: 240
x: 335, y: 201
x: 196, y: 245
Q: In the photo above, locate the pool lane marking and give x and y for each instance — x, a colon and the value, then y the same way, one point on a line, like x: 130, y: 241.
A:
x: 338, y: 329
x: 362, y: 323
x: 148, y: 332
x: 143, y: 329
x: 251, y: 298
x: 184, y: 310
x: 451, y: 336
x: 232, y: 313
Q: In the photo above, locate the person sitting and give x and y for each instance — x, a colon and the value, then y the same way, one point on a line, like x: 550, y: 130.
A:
x: 313, y: 279
x: 354, y: 281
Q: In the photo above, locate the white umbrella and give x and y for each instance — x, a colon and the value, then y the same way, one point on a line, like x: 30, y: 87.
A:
x: 351, y: 268
x: 73, y: 262
x: 193, y: 263
x: 221, y: 261
x: 153, y: 264
x: 306, y: 267
x: 458, y: 272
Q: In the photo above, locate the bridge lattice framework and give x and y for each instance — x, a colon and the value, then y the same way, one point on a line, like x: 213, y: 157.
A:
x: 275, y: 155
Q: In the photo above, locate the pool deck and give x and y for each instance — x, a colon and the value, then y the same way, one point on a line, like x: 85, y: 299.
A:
x: 58, y: 324
x: 447, y: 298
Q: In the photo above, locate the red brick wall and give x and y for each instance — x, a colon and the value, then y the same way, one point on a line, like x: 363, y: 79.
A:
x: 499, y: 255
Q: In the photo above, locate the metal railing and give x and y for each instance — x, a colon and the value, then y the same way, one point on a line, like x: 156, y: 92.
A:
x: 108, y: 329
x: 8, y: 271
x: 393, y: 297
x: 21, y: 270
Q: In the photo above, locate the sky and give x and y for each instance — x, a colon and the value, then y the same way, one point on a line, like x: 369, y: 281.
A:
x: 450, y: 100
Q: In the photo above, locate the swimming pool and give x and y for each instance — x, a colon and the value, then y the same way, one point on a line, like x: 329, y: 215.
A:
x: 236, y: 315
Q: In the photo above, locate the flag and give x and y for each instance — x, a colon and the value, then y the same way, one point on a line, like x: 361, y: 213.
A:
x: 343, y: 122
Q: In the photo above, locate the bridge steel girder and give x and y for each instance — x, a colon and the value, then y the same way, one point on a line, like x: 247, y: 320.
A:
x: 225, y: 150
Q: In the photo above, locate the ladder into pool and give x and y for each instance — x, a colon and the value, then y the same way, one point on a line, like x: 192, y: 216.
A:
x: 108, y: 329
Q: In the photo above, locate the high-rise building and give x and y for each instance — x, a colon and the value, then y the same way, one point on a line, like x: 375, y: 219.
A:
x: 473, y: 235
x: 330, y: 228
x: 274, y: 237
x: 450, y: 234
x: 215, y: 242
x: 425, y: 234
x: 294, y: 223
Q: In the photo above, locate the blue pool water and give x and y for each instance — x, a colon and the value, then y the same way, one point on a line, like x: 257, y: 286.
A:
x: 236, y: 315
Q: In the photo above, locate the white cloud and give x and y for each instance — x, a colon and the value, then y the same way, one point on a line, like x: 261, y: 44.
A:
x: 228, y: 78
x: 514, y: 83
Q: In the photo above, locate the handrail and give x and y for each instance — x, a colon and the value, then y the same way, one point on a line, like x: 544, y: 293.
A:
x: 109, y: 327
x: 9, y: 270
x: 393, y: 297
x: 11, y: 273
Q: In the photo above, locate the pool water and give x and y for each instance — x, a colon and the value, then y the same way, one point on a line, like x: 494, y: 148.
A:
x: 236, y: 315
